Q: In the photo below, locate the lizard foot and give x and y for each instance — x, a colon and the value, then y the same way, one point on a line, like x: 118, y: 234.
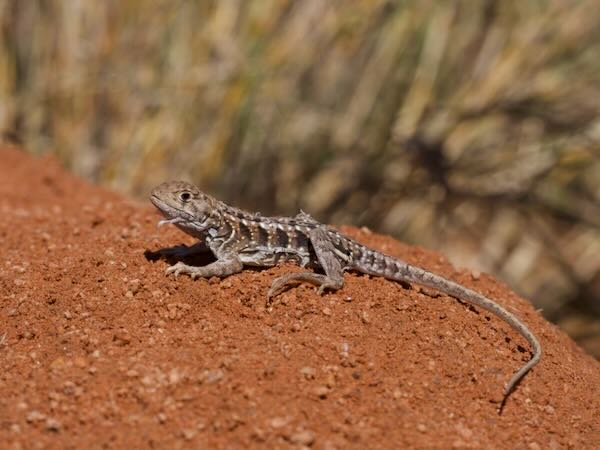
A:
x: 280, y: 285
x: 220, y: 268
x: 182, y: 268
x: 293, y: 279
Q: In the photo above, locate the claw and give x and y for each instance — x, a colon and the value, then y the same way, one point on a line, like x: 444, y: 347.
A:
x: 170, y: 271
x: 277, y: 287
x: 326, y: 286
x: 176, y: 269
x: 182, y: 268
x: 274, y: 291
x: 280, y: 285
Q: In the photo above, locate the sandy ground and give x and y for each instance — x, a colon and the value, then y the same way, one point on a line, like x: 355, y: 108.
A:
x: 99, y: 349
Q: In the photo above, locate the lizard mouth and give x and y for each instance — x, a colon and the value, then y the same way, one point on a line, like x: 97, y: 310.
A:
x: 172, y: 214
x: 170, y: 221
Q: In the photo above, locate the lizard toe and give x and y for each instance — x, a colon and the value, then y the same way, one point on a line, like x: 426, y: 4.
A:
x: 333, y: 286
x: 273, y: 292
x: 277, y: 287
x: 176, y: 269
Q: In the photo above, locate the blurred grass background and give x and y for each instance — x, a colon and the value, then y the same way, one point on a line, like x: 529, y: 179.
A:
x: 471, y: 127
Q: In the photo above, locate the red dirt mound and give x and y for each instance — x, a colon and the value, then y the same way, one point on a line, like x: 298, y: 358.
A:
x: 99, y: 349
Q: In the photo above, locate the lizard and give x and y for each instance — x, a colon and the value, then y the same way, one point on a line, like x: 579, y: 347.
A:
x: 239, y: 238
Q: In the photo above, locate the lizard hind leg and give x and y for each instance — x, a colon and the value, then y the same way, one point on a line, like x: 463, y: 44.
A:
x: 284, y: 282
x: 328, y: 260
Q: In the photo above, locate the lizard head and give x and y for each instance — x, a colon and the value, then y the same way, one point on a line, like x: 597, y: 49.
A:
x: 185, y: 206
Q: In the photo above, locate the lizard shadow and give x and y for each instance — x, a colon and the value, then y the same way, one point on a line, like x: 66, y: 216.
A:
x: 172, y: 256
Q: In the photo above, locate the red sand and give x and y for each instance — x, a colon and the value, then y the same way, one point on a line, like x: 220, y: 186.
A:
x: 99, y: 349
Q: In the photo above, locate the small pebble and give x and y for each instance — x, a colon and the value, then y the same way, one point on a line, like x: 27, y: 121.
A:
x: 364, y: 316
x: 188, y: 434
x: 35, y: 416
x: 121, y: 338
x: 52, y: 424
x: 213, y: 376
x: 321, y: 391
x: 304, y: 437
x: 135, y: 285
x: 308, y: 372
x: 175, y: 376
x: 278, y: 422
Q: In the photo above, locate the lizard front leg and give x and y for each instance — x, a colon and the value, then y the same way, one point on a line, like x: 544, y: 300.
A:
x: 222, y: 267
x: 329, y: 261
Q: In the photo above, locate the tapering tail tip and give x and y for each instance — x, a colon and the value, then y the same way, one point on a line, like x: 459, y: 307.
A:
x: 518, y: 376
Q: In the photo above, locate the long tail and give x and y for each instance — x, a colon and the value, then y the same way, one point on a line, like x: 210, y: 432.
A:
x: 395, y: 269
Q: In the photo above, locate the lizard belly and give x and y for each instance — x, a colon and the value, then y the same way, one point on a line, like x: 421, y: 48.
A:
x: 271, y: 257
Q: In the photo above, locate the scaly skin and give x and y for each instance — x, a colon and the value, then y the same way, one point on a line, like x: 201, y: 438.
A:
x: 239, y: 238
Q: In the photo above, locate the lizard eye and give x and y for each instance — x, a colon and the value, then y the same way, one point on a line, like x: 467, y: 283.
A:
x: 185, y: 196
